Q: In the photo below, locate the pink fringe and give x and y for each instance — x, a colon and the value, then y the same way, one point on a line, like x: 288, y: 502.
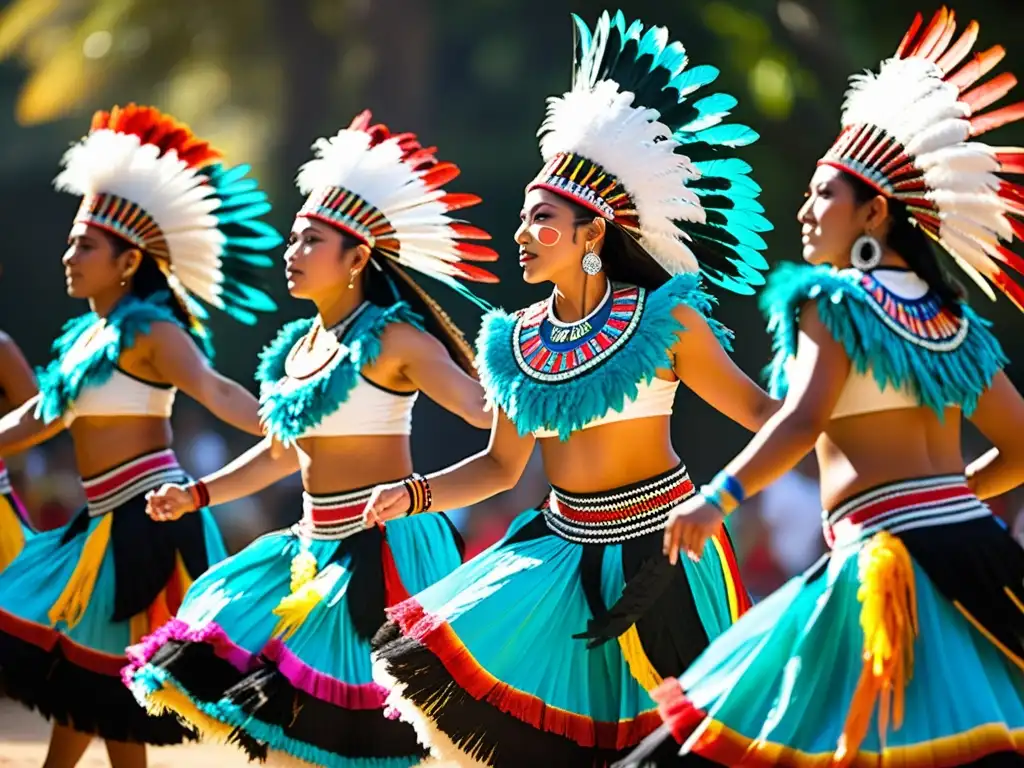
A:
x: 324, y: 687
x: 176, y: 629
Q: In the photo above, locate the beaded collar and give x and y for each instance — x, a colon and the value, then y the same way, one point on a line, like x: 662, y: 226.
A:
x: 547, y: 349
x: 922, y: 320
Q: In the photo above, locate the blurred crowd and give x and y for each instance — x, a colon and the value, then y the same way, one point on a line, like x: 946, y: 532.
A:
x: 777, y: 534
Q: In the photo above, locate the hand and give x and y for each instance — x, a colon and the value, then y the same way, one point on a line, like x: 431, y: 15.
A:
x: 388, y: 502
x: 169, y: 502
x: 689, y: 527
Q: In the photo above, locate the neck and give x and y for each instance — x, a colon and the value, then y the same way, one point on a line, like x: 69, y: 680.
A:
x: 335, y: 309
x: 104, y: 303
x: 892, y: 259
x: 578, y: 296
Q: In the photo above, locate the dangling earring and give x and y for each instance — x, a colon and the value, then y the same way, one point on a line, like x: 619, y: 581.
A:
x: 352, y: 277
x: 866, y: 253
x: 591, y: 263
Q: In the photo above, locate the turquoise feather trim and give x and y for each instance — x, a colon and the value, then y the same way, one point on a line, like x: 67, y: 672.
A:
x: 289, y: 415
x: 568, y: 405
x: 937, y: 378
x: 60, y: 383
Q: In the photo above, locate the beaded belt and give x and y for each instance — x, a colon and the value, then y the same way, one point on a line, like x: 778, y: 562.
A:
x: 614, y: 516
x: 105, y: 493
x: 5, y: 480
x: 902, y: 506
x: 332, y: 517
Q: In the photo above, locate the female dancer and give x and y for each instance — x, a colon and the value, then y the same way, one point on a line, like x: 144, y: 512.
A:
x: 17, y: 386
x: 491, y: 663
x: 905, y: 645
x: 272, y: 647
x: 161, y: 223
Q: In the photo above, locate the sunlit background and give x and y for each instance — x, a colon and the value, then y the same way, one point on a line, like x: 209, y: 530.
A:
x: 264, y: 78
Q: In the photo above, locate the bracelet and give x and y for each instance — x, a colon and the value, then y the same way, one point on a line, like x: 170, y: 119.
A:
x: 200, y: 494
x: 724, y: 491
x: 420, y: 497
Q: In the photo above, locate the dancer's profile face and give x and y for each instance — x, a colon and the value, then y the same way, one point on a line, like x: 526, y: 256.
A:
x: 831, y: 219
x: 317, y: 261
x: 551, y: 238
x: 94, y: 265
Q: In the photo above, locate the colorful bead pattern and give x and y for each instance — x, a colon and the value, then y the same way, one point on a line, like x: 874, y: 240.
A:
x: 125, y: 219
x: 924, y: 322
x: 551, y: 352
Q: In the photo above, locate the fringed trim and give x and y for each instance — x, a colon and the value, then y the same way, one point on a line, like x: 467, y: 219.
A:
x: 321, y: 686
x: 47, y: 639
x: 60, y: 385
x: 71, y: 605
x: 888, y: 618
x: 12, y: 534
x: 169, y: 699
x: 937, y: 378
x: 440, y: 639
x: 289, y: 415
x: 210, y: 634
x: 571, y: 403
x: 636, y: 659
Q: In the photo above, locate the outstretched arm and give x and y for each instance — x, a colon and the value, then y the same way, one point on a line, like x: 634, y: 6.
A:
x: 705, y: 367
x: 999, y: 416
x: 177, y: 360
x: 16, y: 377
x: 496, y: 469
x: 259, y: 467
x: 816, y: 380
x: 20, y: 429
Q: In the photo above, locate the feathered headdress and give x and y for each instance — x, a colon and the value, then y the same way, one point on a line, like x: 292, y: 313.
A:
x: 386, y: 190
x: 148, y: 179
x: 631, y: 143
x: 908, y: 131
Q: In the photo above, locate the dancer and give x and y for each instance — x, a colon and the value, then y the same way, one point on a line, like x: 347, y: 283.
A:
x: 162, y: 223
x: 903, y: 646
x: 271, y: 649
x: 505, y: 662
x: 17, y: 386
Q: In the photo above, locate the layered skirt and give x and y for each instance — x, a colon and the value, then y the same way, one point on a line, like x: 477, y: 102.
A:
x: 541, y: 650
x: 271, y: 649
x: 77, y: 596
x: 903, y: 647
x: 15, y: 527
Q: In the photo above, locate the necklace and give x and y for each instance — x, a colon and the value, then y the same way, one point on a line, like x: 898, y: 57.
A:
x: 319, y: 347
x: 923, y: 321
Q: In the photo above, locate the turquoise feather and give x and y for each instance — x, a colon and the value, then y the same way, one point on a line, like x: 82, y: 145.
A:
x: 289, y: 415
x: 568, y: 405
x: 937, y: 378
x: 60, y: 386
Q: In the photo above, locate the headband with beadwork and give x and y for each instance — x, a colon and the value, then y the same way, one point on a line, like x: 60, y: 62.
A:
x: 148, y: 179
x: 630, y: 143
x: 908, y: 132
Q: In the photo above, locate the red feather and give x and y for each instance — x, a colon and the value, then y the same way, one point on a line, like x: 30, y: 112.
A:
x: 945, y: 34
x: 162, y: 131
x: 1009, y: 258
x: 474, y: 252
x: 361, y: 122
x: 988, y: 93
x: 931, y: 35
x: 468, y: 232
x: 1017, y: 226
x: 1010, y: 289
x: 440, y: 175
x: 476, y: 274
x: 959, y: 50
x: 1011, y: 162
x: 976, y: 68
x: 909, y: 36
x: 457, y: 200
x: 990, y: 120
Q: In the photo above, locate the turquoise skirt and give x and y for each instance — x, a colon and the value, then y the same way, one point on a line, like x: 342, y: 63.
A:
x: 541, y: 650
x: 77, y: 596
x: 903, y: 647
x: 271, y: 649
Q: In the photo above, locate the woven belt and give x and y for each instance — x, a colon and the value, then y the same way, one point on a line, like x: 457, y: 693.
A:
x: 614, y: 516
x: 332, y: 517
x: 902, y: 506
x: 105, y: 493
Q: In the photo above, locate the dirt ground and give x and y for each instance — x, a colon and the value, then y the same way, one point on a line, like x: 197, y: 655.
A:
x: 23, y: 737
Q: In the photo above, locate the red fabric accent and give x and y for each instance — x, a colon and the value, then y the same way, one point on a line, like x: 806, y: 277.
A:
x: 48, y: 638
x: 440, y: 639
x: 676, y: 710
x: 913, y: 498
x: 668, y: 496
x: 743, y: 603
x: 342, y: 513
x: 394, y: 590
x: 95, y: 489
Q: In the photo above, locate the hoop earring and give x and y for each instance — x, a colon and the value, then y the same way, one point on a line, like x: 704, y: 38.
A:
x: 866, y: 253
x: 591, y: 263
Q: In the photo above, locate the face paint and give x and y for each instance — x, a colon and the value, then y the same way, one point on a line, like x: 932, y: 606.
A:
x: 545, y: 235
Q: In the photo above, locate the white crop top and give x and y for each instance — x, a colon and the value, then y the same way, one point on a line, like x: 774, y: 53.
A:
x: 652, y: 399
x: 370, y: 409
x: 123, y: 395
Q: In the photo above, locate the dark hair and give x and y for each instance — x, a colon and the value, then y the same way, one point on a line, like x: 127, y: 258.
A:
x: 625, y: 260
x: 148, y: 279
x: 385, y: 283
x: 913, y: 245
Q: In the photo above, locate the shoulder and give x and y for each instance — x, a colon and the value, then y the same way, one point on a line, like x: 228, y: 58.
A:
x: 406, y: 341
x: 8, y: 347
x: 791, y: 285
